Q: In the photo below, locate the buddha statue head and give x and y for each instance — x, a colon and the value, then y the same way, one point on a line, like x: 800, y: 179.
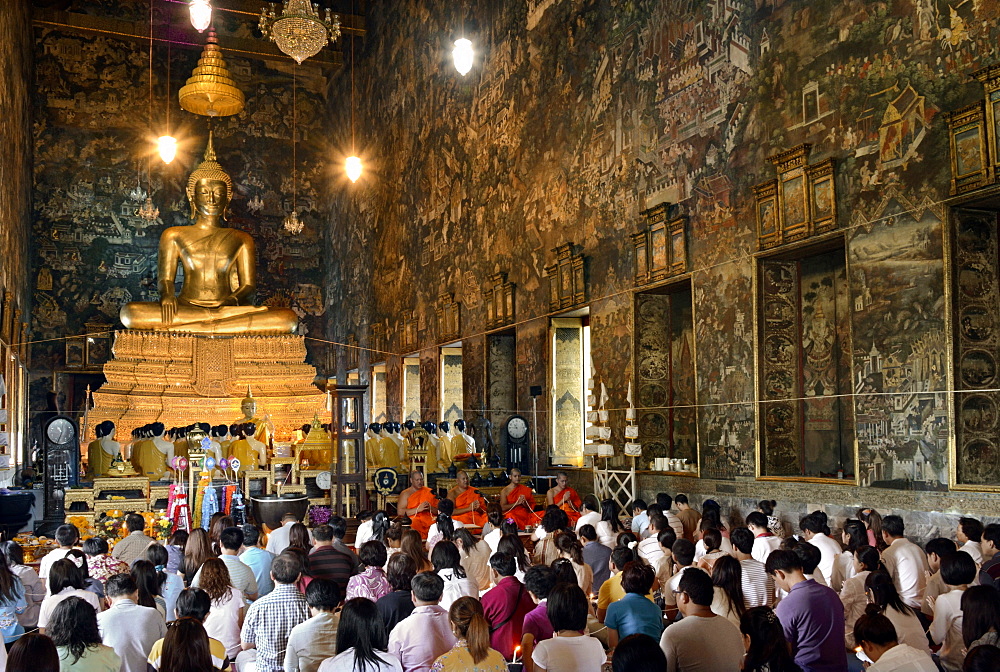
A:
x: 249, y: 405
x: 209, y: 187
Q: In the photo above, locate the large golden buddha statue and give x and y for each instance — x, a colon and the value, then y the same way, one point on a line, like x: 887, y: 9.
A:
x: 219, y: 270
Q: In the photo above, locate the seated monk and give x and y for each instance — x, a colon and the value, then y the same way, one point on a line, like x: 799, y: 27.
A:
x: 518, y: 502
x: 565, y: 497
x: 470, y: 506
x: 419, y: 503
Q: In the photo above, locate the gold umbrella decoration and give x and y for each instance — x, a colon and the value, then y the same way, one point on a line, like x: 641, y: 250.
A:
x: 210, y: 90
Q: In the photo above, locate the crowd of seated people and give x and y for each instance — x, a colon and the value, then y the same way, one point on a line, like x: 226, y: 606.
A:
x: 668, y: 588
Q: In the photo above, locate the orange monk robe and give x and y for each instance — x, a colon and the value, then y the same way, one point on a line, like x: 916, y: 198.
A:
x: 522, y: 514
x: 473, y: 518
x: 573, y: 515
x: 422, y: 521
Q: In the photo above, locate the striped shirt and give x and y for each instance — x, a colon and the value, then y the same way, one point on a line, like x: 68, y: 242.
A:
x: 326, y: 562
x: 758, y: 586
x: 269, y: 623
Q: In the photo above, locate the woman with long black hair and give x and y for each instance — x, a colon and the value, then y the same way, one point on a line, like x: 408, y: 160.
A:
x: 882, y: 593
x: 727, y: 577
x: 34, y: 589
x: 12, y: 603
x: 609, y: 526
x: 186, y: 648
x: 362, y: 641
x: 764, y: 639
x: 33, y: 653
x: 65, y: 581
x: 447, y: 563
x: 980, y: 616
x: 150, y: 582
x: 77, y: 638
x: 512, y: 545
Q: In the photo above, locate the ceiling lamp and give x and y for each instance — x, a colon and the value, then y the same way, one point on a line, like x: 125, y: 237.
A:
x: 167, y: 146
x: 353, y: 168
x: 210, y: 90
x: 462, y: 53
x: 201, y: 14
x: 299, y: 32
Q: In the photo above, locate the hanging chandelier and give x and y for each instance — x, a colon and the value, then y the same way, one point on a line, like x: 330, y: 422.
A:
x: 210, y: 90
x: 293, y: 224
x: 299, y: 32
x: 148, y: 211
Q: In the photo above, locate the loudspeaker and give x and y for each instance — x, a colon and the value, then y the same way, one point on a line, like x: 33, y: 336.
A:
x: 535, y: 390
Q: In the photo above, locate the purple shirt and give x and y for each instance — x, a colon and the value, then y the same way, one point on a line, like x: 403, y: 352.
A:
x: 506, y: 606
x: 537, y: 623
x: 812, y: 617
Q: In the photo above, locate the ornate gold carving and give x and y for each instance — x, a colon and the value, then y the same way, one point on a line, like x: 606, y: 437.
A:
x: 566, y: 279
x: 499, y: 301
x: 448, y: 317
x: 661, y: 248
x: 800, y: 203
x: 178, y: 379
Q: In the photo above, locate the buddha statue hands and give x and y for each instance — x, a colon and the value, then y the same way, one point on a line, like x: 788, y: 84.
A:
x: 219, y: 270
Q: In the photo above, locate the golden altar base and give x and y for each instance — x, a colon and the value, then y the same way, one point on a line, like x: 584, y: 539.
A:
x: 179, y: 379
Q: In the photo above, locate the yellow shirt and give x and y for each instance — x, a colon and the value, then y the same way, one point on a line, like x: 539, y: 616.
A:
x: 215, y: 647
x: 612, y: 591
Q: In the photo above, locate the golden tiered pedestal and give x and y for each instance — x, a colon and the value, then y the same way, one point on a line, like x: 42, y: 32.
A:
x: 179, y: 379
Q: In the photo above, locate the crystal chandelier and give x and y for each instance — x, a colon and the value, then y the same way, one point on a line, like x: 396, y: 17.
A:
x: 299, y: 32
x: 256, y: 204
x: 148, y: 211
x: 293, y: 224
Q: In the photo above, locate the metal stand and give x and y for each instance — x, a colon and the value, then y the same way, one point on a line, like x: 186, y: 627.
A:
x: 534, y: 429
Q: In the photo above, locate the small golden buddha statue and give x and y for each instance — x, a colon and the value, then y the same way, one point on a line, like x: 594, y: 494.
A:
x: 315, y: 449
x: 219, y: 270
x: 262, y: 422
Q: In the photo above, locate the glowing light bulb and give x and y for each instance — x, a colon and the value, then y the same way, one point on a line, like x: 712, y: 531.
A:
x: 167, y: 145
x: 353, y: 167
x: 201, y: 14
x: 462, y: 53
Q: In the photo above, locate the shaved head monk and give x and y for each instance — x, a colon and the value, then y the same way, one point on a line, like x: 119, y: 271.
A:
x: 518, y: 502
x: 419, y: 503
x: 470, y: 506
x: 565, y: 497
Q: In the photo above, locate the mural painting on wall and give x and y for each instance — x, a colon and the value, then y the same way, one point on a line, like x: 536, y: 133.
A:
x: 724, y: 346
x: 501, y: 377
x: 579, y: 118
x: 900, y: 345
x: 93, y: 252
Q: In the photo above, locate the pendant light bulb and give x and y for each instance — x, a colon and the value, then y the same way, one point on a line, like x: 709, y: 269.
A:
x: 167, y: 145
x: 462, y: 53
x: 201, y: 14
x: 353, y: 167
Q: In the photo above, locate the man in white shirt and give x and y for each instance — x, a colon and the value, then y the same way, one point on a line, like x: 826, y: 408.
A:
x: 758, y: 585
x: 313, y: 641
x: 970, y: 536
x: 277, y: 541
x: 66, y: 536
x: 764, y: 543
x: 877, y: 638
x: 425, y: 634
x: 240, y: 575
x: 590, y: 515
x: 665, y: 501
x: 640, y: 519
x: 904, y: 561
x: 131, y: 630
x: 813, y: 531
x: 649, y: 548
x: 702, y: 641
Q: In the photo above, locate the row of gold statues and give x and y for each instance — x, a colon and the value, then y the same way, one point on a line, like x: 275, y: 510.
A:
x: 153, y: 447
x: 389, y: 444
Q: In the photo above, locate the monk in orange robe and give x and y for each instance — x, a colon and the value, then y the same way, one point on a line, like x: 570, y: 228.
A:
x: 518, y: 502
x: 565, y: 497
x: 470, y: 506
x: 419, y: 503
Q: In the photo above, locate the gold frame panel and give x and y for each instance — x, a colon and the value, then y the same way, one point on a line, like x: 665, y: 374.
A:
x: 756, y: 288
x: 967, y: 140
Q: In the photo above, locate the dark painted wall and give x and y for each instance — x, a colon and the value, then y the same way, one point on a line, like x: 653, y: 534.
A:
x: 578, y: 115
